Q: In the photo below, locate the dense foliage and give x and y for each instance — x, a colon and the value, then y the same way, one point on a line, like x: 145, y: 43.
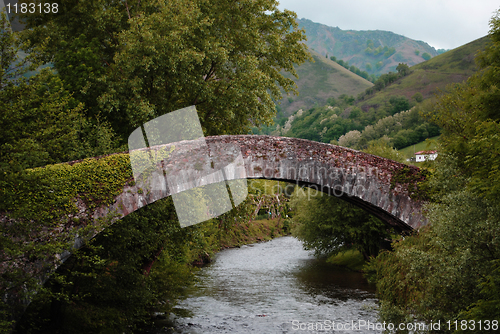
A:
x: 343, y: 123
x: 402, y: 129
x: 116, y: 65
x: 449, y: 271
x: 40, y: 121
x: 329, y: 225
x: 41, y: 124
x: 129, y: 62
x: 327, y: 123
x: 103, y: 287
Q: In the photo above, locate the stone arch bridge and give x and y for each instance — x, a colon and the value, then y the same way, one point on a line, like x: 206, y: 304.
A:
x: 381, y: 186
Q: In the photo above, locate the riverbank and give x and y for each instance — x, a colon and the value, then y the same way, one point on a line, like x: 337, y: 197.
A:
x: 270, y: 287
x: 351, y: 259
x: 239, y: 234
x: 138, y: 269
x: 255, y: 231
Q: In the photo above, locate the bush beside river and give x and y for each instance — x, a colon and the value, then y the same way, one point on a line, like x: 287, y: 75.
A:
x: 138, y: 267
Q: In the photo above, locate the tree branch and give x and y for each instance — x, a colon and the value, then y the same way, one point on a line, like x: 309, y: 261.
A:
x: 128, y: 12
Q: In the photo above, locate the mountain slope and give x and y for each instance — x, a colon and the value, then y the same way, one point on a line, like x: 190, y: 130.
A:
x: 382, y: 50
x: 385, y: 112
x: 320, y: 80
x: 430, y: 77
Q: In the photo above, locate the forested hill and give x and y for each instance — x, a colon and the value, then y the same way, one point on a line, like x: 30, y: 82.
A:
x: 427, y: 78
x: 318, y: 81
x: 373, y: 51
x: 381, y: 110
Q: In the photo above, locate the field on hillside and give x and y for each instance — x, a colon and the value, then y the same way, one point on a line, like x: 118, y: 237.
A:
x: 386, y: 106
x: 431, y: 77
x: 428, y: 144
x: 320, y: 80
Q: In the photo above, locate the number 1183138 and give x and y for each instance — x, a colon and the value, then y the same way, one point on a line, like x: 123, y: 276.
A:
x: 32, y: 8
x: 486, y: 325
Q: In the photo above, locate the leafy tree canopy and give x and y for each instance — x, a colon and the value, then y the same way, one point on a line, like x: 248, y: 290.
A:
x: 450, y: 270
x: 330, y: 225
x: 137, y: 60
x: 40, y: 121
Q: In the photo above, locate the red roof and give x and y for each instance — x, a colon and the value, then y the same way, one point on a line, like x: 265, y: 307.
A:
x: 426, y: 152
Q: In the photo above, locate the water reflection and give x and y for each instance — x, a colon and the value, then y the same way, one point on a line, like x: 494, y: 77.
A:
x: 269, y: 287
x: 319, y: 278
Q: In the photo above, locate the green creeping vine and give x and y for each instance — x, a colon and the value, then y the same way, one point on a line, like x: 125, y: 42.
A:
x: 41, y: 218
x: 415, y: 181
x: 47, y: 195
x: 96, y: 181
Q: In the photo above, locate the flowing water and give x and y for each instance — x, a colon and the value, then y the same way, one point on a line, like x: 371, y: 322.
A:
x: 277, y: 287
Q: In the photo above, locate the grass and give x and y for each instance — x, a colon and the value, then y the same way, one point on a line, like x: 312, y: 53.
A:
x: 244, y: 233
x: 431, y: 77
x: 351, y: 259
x: 320, y: 80
x: 428, y: 144
x: 457, y: 60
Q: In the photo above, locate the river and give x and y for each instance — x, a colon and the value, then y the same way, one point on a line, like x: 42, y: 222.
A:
x: 276, y: 287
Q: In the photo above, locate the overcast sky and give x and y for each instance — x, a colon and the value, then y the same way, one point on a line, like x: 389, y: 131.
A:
x: 444, y: 24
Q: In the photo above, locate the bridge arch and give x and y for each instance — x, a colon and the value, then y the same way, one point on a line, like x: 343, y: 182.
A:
x: 365, y: 180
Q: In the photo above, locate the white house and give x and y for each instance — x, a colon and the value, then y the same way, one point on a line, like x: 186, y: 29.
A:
x: 425, y: 155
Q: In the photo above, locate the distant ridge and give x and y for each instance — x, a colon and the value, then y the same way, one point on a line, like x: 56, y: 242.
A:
x: 382, y: 50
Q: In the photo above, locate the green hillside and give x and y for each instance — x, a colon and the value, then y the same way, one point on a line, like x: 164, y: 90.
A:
x: 428, y: 144
x: 390, y: 109
x: 374, y: 51
x: 320, y: 80
x: 429, y: 77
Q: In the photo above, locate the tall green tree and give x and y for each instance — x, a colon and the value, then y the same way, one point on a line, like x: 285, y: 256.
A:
x: 40, y: 121
x: 137, y: 60
x: 403, y: 69
x: 41, y: 124
x: 329, y: 225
